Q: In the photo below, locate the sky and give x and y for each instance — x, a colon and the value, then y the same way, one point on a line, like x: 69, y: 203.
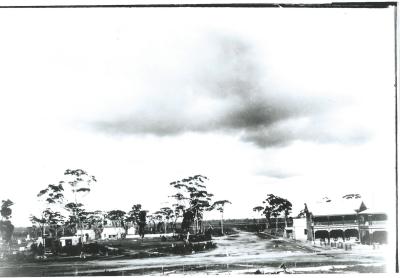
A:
x: 293, y: 102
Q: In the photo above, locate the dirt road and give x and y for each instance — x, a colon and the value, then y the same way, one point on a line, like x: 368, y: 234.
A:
x: 239, y: 253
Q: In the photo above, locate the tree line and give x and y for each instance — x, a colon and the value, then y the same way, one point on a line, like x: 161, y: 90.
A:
x: 274, y: 207
x: 64, y: 212
x: 190, y: 201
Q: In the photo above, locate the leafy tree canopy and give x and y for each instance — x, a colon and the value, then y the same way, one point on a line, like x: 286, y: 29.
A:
x: 219, y: 205
x: 133, y: 215
x: 53, y: 193
x: 116, y: 214
x: 6, y: 230
x: 192, y: 199
x: 81, y: 180
x: 352, y: 196
x: 275, y: 206
x: 6, y: 211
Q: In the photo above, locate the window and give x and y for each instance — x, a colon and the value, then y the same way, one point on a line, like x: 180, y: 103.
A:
x: 305, y: 231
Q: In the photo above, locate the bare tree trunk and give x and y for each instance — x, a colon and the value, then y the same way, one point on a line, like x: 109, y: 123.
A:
x: 284, y: 231
x: 197, y: 222
x: 174, y: 226
x: 43, y: 237
x: 222, y: 223
x: 267, y: 223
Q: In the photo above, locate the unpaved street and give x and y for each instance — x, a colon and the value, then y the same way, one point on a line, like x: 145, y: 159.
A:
x: 240, y: 253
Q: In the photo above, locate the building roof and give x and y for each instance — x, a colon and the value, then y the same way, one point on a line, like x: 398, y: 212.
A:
x: 373, y: 211
x: 68, y: 237
x: 113, y: 229
x: 337, y: 207
x: 84, y: 231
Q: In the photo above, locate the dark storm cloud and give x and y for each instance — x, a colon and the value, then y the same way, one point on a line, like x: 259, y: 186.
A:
x: 229, y: 75
x: 265, y: 137
x: 258, y: 113
x: 281, y: 135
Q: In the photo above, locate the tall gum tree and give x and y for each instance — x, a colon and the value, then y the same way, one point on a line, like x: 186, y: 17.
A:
x: 259, y: 209
x: 275, y: 206
x: 220, y: 206
x: 165, y: 214
x: 53, y: 198
x: 137, y: 216
x: 193, y: 198
x: 6, y: 227
x: 80, y: 183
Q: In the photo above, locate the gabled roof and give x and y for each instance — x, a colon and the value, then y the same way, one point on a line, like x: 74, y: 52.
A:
x: 337, y: 207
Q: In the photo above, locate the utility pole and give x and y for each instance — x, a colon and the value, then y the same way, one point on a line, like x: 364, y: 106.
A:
x: 43, y: 234
x: 358, y: 224
x: 222, y: 222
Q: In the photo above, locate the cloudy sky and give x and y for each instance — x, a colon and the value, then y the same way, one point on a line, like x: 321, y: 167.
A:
x: 294, y: 102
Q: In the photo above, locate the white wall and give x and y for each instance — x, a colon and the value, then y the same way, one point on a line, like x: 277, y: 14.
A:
x: 299, y: 225
x: 116, y: 231
x: 132, y: 230
x: 75, y: 240
x: 91, y: 233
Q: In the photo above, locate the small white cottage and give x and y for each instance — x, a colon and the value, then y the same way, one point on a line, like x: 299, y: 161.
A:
x: 112, y: 233
x: 86, y: 235
x: 132, y: 232
x: 69, y: 240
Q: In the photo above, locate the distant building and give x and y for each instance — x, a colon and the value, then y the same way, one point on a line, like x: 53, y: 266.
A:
x: 113, y: 233
x: 373, y: 226
x: 69, y: 240
x: 86, y: 234
x: 344, y: 220
x: 113, y: 229
x: 132, y: 232
x: 299, y: 230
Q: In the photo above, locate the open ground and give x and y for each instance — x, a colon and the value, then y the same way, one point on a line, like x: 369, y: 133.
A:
x: 242, y: 252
